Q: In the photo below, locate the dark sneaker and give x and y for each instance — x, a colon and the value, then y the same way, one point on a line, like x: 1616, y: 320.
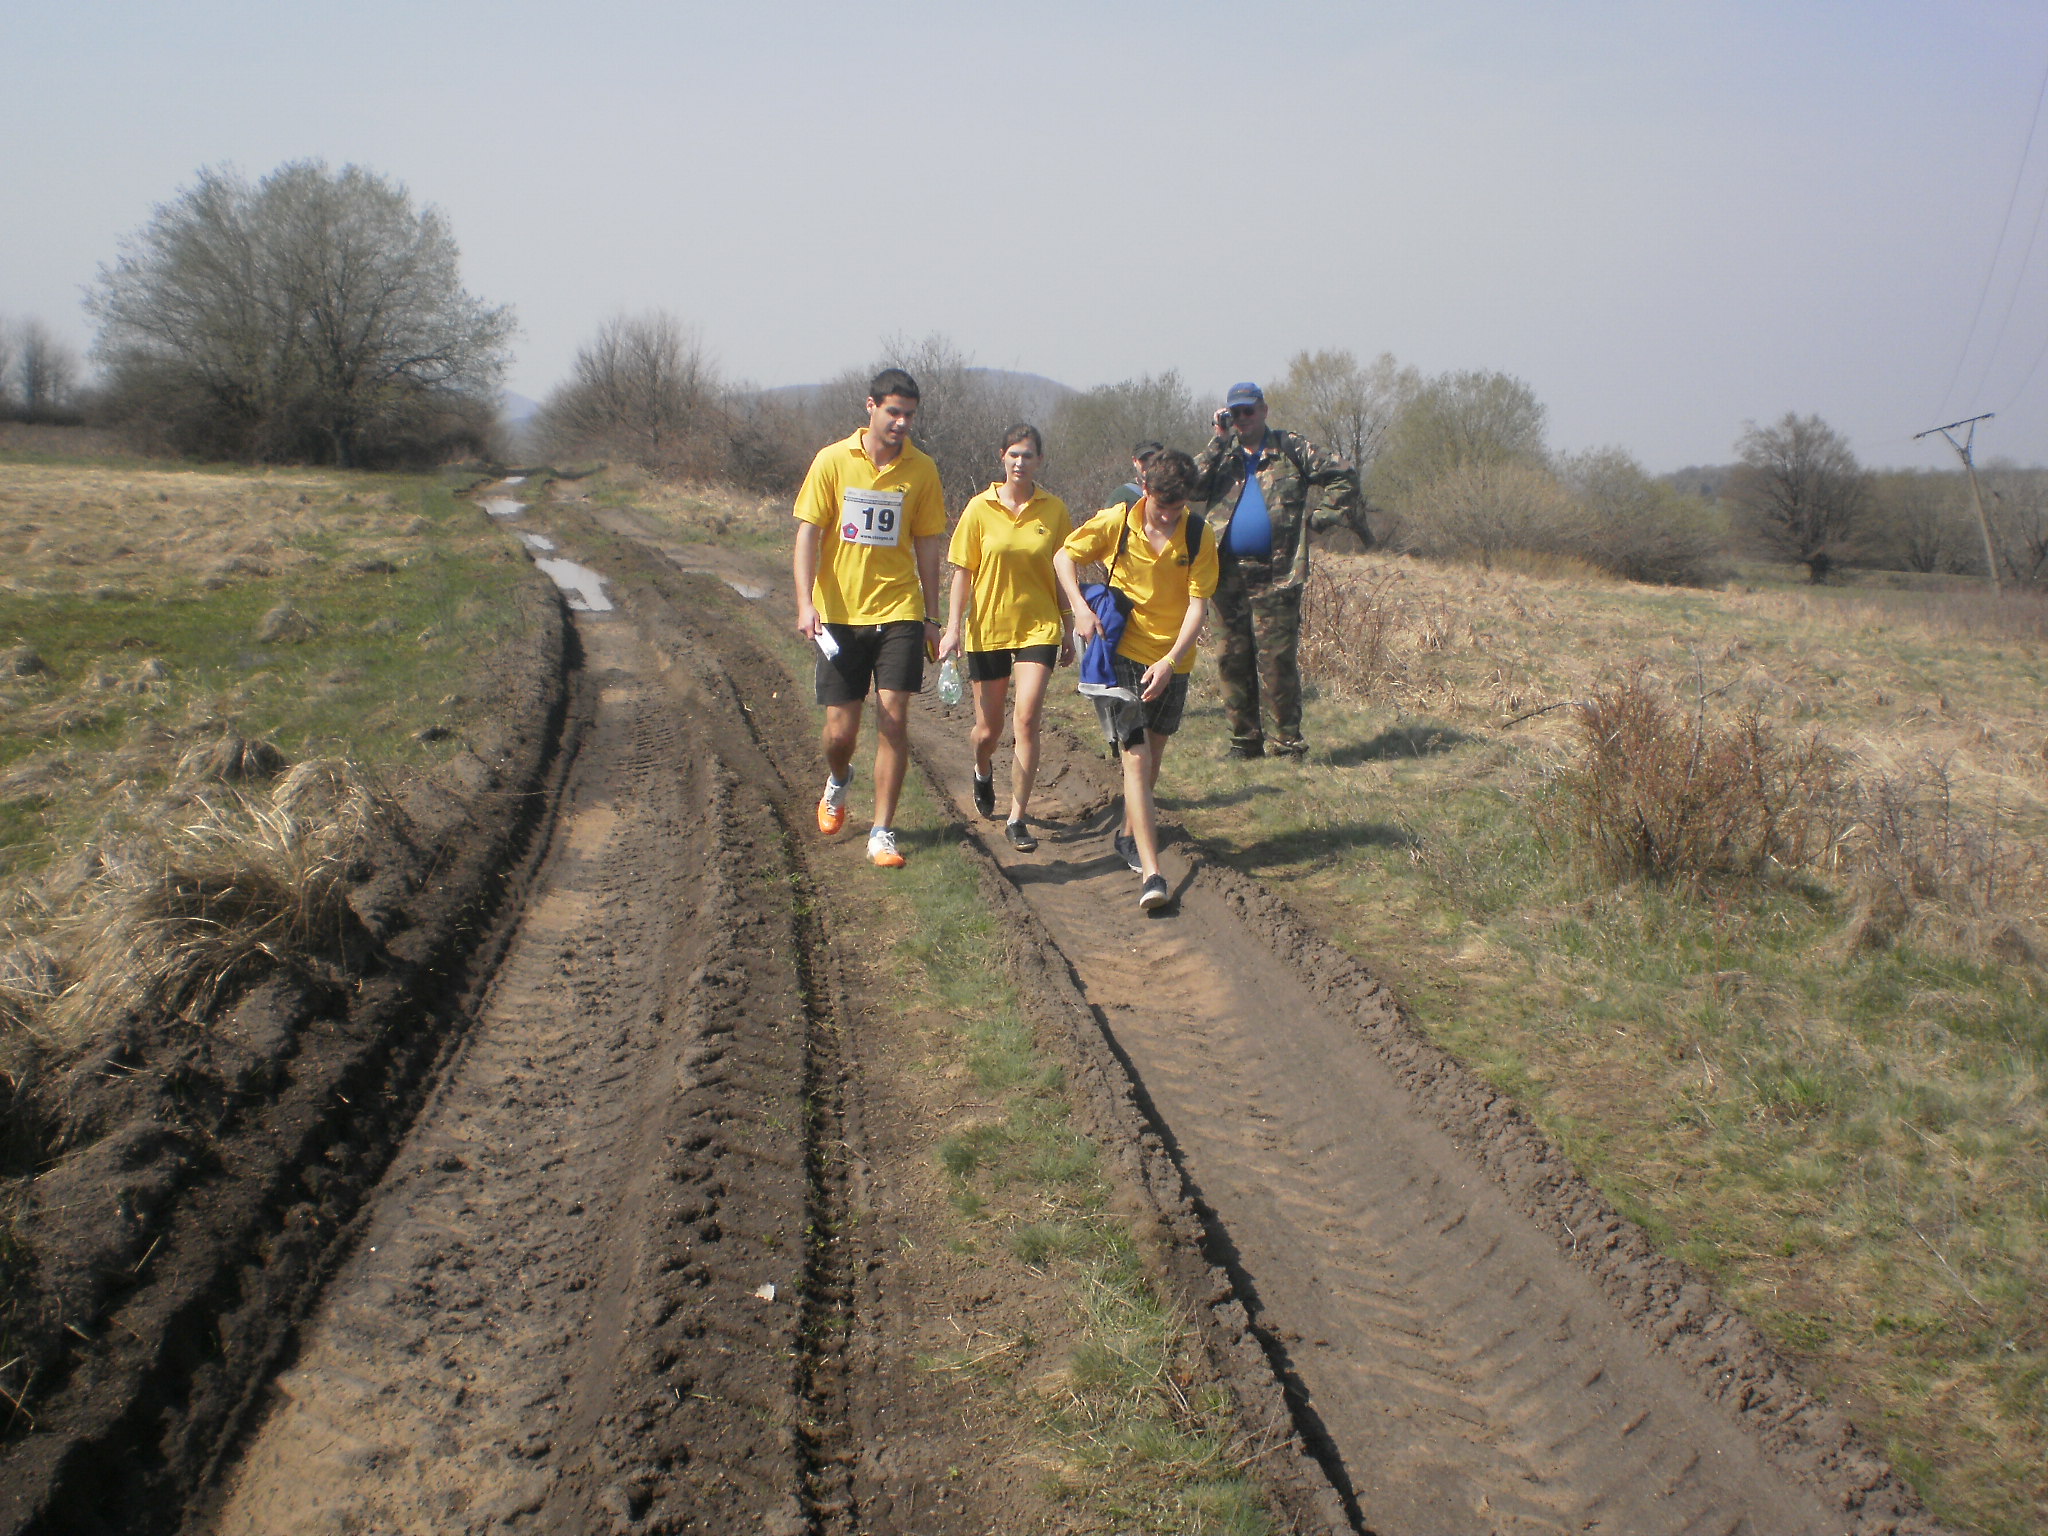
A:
x: 1127, y: 850
x: 1153, y: 893
x: 985, y: 796
x: 1255, y: 747
x: 1294, y: 747
x: 1020, y: 837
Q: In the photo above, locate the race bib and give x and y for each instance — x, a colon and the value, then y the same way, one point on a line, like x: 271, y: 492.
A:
x: 874, y: 518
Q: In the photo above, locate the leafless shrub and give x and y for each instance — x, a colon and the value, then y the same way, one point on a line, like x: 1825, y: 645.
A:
x: 1350, y: 630
x: 642, y: 392
x: 1920, y: 867
x: 1671, y: 795
x: 1481, y: 509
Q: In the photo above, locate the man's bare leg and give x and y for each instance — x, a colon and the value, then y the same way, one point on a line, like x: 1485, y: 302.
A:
x: 842, y: 735
x: 892, y: 751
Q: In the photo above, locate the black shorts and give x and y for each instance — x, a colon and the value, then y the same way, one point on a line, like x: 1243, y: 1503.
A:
x: 887, y: 655
x: 1126, y: 724
x: 987, y: 666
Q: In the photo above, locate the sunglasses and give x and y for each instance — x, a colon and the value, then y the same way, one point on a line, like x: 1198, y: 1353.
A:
x: 1244, y: 410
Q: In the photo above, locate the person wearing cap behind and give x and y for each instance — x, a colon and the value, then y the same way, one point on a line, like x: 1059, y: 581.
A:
x: 1163, y: 563
x: 1134, y: 487
x: 1263, y: 490
x: 870, y: 534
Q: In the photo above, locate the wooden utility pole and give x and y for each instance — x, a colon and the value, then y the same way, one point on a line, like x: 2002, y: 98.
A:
x: 1976, y: 498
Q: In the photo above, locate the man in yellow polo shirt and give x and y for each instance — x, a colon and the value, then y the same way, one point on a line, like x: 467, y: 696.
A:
x: 871, y: 531
x: 1158, y: 558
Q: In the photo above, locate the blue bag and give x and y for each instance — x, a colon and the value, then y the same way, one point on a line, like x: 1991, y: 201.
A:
x: 1098, y: 670
x: 1112, y: 606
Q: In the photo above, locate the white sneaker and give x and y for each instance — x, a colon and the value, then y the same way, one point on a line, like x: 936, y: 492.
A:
x: 882, y: 850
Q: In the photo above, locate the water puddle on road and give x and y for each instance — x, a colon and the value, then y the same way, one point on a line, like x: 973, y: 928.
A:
x: 584, y: 586
x: 503, y: 506
x: 539, y: 541
x: 746, y: 589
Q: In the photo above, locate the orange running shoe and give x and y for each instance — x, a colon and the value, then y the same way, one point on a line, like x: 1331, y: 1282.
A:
x: 882, y: 850
x: 832, y: 807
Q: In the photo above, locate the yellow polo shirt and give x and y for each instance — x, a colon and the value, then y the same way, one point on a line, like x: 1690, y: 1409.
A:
x: 1009, y: 557
x: 1160, y: 586
x: 869, y: 521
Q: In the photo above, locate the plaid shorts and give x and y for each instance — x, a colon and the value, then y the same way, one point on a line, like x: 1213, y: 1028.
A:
x: 1126, y: 724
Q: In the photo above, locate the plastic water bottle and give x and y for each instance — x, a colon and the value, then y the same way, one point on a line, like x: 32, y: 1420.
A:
x: 952, y: 691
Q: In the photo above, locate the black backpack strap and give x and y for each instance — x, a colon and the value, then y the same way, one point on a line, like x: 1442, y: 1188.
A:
x: 1196, y: 523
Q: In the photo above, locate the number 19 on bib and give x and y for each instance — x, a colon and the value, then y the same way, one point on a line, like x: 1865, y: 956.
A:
x: 874, y: 518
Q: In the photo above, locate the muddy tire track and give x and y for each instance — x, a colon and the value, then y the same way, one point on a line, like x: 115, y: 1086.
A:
x: 586, y: 1300
x: 1442, y: 1299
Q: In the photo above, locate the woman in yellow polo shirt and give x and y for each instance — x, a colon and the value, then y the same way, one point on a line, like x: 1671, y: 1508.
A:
x: 1006, y: 605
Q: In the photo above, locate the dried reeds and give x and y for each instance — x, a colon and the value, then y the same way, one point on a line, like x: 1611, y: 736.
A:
x: 178, y: 908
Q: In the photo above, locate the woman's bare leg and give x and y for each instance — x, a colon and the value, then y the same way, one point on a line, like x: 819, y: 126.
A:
x: 1032, y: 680
x: 989, y: 698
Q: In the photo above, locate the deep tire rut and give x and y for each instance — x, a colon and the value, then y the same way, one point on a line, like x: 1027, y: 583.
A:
x: 600, y: 1288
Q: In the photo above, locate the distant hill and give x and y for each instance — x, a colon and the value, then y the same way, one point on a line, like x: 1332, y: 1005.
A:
x: 516, y: 410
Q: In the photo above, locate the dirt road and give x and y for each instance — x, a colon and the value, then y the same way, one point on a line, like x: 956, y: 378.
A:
x: 608, y: 1283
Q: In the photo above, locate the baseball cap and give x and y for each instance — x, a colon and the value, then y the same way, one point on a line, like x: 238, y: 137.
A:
x: 1244, y: 394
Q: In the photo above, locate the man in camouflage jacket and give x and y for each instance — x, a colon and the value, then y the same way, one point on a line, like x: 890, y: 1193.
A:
x: 1264, y: 563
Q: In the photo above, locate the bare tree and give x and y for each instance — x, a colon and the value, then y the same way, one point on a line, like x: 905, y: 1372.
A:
x: 1482, y: 508
x: 45, y: 372
x: 2019, y: 522
x: 1921, y: 521
x: 1638, y: 527
x: 9, y: 348
x: 1800, y: 492
x: 1092, y: 434
x: 641, y: 389
x: 1333, y: 400
x: 317, y: 314
x: 1452, y: 420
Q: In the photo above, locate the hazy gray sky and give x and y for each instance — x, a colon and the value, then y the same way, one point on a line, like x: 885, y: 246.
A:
x: 1667, y: 218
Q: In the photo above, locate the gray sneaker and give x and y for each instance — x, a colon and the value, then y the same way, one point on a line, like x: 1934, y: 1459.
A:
x: 1153, y: 893
x: 1127, y: 849
x: 985, y: 797
x: 1020, y: 837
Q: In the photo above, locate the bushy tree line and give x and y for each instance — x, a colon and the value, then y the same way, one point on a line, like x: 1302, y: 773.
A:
x: 313, y: 315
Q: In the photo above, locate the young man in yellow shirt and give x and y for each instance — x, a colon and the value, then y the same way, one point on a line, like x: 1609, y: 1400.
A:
x: 1166, y: 572
x: 871, y: 530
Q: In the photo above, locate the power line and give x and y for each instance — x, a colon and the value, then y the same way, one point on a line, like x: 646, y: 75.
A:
x: 1998, y: 246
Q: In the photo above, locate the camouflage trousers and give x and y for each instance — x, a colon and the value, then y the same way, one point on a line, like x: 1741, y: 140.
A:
x: 1260, y: 627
